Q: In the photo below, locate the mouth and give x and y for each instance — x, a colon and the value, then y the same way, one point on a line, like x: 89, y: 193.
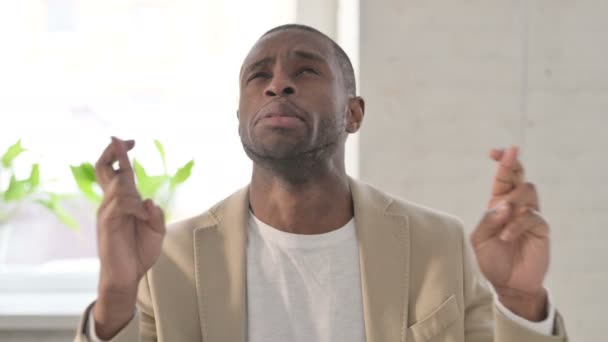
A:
x: 280, y: 114
x: 281, y: 121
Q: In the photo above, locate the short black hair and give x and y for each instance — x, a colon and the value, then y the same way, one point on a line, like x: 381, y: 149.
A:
x: 348, y: 73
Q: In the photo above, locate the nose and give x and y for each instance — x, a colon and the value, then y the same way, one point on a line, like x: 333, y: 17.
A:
x: 280, y: 85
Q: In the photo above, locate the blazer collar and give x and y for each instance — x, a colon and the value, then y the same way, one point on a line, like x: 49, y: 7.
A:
x: 220, y: 252
x: 384, y: 246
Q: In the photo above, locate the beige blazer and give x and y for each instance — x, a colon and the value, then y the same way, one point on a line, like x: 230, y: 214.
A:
x: 419, y: 279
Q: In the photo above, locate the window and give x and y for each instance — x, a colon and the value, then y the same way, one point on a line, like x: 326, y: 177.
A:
x: 75, y: 72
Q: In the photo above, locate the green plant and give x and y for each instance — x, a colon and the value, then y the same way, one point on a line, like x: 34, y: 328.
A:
x: 19, y: 191
x: 160, y: 188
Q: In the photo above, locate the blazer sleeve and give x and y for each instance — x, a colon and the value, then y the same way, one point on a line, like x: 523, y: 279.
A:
x: 141, y: 328
x: 480, y: 309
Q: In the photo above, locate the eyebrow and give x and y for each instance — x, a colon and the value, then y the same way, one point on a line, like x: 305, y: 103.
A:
x: 308, y: 55
x: 257, y: 64
x: 269, y: 60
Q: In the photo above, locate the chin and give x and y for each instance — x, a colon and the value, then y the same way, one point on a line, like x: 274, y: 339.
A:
x: 282, y: 151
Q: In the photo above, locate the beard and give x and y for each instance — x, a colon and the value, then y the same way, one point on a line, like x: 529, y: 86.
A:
x: 299, y: 158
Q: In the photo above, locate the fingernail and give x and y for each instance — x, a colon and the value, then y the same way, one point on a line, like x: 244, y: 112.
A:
x: 505, y: 235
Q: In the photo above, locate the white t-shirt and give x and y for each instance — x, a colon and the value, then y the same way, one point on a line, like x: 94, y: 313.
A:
x: 303, y: 288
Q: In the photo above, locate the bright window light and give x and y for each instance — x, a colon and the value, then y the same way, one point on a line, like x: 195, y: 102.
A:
x: 75, y: 72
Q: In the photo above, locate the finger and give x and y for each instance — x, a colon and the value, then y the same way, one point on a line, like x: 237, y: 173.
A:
x: 496, y: 153
x: 524, y: 196
x: 157, y: 217
x: 104, y: 169
x: 492, y: 223
x: 124, y: 164
x: 509, y: 173
x: 118, y: 187
x: 523, y: 209
x: 124, y: 206
x: 531, y: 222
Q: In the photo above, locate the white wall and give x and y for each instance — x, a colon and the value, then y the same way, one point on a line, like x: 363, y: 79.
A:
x: 446, y: 80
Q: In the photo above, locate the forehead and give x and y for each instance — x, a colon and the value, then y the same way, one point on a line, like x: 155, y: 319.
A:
x: 286, y: 41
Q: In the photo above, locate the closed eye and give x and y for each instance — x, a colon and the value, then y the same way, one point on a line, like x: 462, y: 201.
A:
x: 260, y: 74
x: 308, y: 70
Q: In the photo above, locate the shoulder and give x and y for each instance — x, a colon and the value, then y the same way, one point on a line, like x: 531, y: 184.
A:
x: 178, y: 253
x: 418, y: 215
x: 180, y: 233
x: 421, y: 217
x: 424, y: 223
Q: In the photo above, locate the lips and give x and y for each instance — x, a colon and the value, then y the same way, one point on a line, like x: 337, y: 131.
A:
x: 280, y: 114
x: 279, y: 111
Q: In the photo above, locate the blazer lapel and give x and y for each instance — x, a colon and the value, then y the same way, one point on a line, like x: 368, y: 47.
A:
x: 220, y: 270
x: 384, y: 246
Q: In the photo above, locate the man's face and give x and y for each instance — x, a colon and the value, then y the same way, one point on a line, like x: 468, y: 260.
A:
x: 293, y: 103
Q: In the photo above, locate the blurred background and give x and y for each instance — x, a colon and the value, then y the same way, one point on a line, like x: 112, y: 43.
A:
x: 444, y: 81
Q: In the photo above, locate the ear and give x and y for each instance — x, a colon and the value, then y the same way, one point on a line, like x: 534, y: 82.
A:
x: 356, y: 111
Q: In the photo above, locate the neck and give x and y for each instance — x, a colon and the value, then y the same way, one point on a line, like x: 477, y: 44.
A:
x: 316, y: 205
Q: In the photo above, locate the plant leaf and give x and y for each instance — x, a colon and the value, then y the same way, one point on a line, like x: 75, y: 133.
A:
x: 150, y: 185
x: 182, y: 174
x: 34, y: 179
x: 89, y: 171
x: 140, y: 172
x: 55, y: 206
x: 16, y: 191
x: 11, y: 153
x: 147, y: 185
x: 65, y: 217
x: 84, y: 175
x: 161, y: 151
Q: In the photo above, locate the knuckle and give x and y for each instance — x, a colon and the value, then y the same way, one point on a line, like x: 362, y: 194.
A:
x: 488, y: 214
x: 105, y: 209
x: 524, y: 219
x: 114, y: 186
x: 120, y: 202
x: 113, y: 204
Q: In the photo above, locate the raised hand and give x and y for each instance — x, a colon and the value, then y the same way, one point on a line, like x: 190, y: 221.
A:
x: 512, y: 240
x: 130, y: 232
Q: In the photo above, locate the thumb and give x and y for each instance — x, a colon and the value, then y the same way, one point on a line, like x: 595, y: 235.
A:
x: 492, y: 222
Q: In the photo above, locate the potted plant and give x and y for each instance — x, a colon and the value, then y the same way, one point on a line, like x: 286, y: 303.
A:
x: 16, y: 192
x: 160, y: 188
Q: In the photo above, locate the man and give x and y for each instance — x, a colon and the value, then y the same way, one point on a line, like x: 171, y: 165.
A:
x: 305, y: 253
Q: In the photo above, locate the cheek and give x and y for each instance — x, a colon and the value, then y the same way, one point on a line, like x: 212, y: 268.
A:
x: 329, y: 103
x: 252, y: 97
